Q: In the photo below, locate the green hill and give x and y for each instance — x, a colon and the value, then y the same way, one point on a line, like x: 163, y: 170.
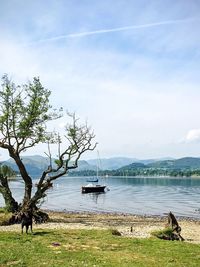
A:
x: 187, y: 166
x: 182, y: 163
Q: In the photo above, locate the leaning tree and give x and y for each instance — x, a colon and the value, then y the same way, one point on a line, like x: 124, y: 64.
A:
x: 25, y: 113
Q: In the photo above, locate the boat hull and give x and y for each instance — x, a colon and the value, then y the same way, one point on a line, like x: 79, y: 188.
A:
x: 92, y: 189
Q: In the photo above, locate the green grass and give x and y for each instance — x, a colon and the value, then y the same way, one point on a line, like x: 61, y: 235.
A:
x: 92, y: 248
x: 167, y: 232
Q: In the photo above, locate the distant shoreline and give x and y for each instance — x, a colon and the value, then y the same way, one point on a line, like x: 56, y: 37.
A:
x: 18, y: 178
x: 136, y: 176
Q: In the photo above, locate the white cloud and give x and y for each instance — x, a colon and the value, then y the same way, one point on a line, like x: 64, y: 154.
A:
x: 193, y: 136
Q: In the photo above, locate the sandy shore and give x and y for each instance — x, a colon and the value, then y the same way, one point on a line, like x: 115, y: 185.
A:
x: 142, y: 226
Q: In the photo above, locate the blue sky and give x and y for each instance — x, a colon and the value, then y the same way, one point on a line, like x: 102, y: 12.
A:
x: 130, y: 68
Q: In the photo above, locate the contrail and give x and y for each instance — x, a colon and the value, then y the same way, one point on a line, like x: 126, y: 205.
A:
x: 119, y: 29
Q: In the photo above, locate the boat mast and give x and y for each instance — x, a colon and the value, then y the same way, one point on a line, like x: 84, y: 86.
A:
x: 98, y: 163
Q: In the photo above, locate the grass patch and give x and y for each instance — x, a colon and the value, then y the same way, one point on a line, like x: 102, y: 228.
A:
x: 92, y: 248
x: 4, y: 216
x: 115, y: 232
x: 164, y: 232
x: 167, y: 234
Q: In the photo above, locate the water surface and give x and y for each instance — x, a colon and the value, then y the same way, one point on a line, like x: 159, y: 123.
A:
x: 145, y: 196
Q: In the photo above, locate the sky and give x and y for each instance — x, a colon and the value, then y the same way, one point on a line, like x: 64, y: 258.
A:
x: 130, y: 68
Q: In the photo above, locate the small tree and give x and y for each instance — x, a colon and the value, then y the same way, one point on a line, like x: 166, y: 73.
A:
x: 24, y: 114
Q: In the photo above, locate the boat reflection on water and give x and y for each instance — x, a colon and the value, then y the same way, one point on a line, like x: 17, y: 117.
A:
x: 96, y: 196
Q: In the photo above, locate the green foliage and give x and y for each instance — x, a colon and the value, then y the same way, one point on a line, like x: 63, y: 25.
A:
x: 23, y: 113
x: 6, y: 171
x: 58, y: 162
x: 92, y: 248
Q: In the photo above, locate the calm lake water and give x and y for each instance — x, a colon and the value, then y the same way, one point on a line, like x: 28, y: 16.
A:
x: 145, y: 196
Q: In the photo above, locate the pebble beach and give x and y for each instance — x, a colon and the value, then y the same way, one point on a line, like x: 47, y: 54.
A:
x: 128, y: 225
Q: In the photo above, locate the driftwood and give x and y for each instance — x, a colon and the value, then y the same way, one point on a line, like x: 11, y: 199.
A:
x: 172, y: 231
x: 175, y: 233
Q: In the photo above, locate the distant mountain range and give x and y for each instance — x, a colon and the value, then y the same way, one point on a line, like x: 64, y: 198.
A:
x: 34, y: 164
x: 37, y: 164
x: 182, y: 163
x: 118, y: 162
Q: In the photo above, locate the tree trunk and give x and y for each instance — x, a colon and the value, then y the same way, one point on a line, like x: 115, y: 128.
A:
x: 173, y: 224
x: 25, y: 176
x: 10, y: 204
